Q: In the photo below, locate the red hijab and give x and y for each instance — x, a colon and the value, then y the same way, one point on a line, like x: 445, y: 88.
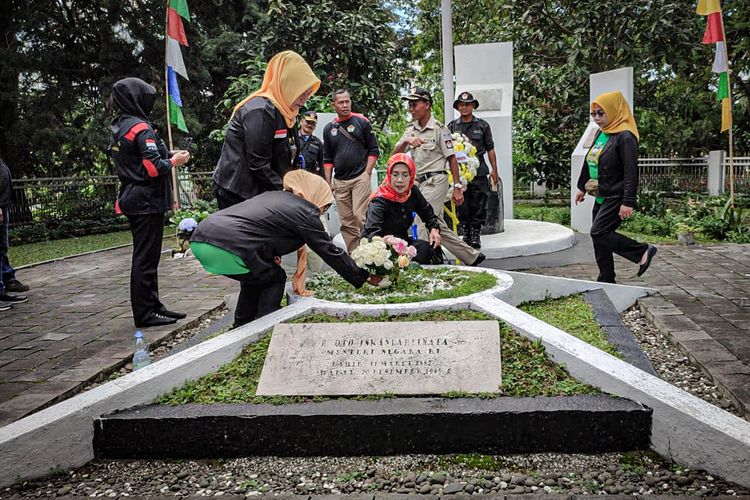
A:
x: 385, y: 190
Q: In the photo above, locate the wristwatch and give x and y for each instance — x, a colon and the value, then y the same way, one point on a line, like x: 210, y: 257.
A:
x: 458, y: 185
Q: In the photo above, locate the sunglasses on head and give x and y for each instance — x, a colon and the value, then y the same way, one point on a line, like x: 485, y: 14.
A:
x: 598, y: 112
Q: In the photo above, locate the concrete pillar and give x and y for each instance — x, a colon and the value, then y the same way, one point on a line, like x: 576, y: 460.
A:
x: 486, y: 70
x: 716, y: 173
x: 607, y: 81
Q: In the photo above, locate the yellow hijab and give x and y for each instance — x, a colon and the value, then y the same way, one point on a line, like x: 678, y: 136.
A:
x: 618, y: 112
x: 314, y: 189
x: 287, y: 77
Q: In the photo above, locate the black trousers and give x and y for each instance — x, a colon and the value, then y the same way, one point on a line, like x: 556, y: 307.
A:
x: 472, y: 213
x: 606, y: 219
x: 148, y: 231
x: 259, y: 295
x: 425, y: 253
x: 226, y: 198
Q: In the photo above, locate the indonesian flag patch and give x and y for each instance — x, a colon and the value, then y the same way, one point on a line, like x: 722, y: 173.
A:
x: 151, y: 145
x: 280, y: 134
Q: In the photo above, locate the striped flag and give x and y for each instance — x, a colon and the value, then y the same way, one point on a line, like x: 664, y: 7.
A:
x: 715, y: 34
x: 177, y: 10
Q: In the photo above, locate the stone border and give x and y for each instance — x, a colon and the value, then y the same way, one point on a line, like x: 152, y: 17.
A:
x: 339, y: 427
x: 617, y: 333
x: 714, y: 360
x: 685, y: 428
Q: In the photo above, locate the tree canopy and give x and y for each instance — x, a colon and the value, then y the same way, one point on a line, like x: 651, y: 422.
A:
x: 61, y: 58
x: 558, y: 43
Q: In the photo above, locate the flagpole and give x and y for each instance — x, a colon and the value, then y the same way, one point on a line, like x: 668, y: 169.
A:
x: 175, y: 192
x: 731, y: 118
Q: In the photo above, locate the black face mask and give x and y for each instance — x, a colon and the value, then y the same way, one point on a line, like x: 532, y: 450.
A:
x: 134, y: 97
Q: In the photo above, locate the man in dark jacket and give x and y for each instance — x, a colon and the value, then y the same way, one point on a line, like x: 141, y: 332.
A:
x: 246, y: 242
x: 472, y: 214
x: 8, y: 281
x: 349, y: 155
x: 144, y: 169
x: 311, y: 148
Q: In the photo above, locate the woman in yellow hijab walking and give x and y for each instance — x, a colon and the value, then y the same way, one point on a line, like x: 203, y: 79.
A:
x: 610, y: 174
x: 262, y: 144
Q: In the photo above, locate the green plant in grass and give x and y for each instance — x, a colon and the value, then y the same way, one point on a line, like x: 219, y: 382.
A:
x: 526, y: 370
x: 573, y: 315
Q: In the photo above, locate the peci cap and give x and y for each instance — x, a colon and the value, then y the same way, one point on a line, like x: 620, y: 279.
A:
x: 418, y: 94
x: 310, y: 116
x: 465, y: 97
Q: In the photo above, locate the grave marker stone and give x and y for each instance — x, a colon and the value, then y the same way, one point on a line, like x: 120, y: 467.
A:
x: 407, y: 358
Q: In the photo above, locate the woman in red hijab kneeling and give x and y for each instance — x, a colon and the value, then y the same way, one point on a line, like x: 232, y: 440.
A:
x: 392, y: 207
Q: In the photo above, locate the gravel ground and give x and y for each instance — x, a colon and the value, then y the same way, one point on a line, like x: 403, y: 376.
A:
x: 426, y: 474
x: 613, y: 473
x: 671, y: 363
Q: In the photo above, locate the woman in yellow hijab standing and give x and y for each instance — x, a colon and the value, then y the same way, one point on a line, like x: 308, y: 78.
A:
x: 610, y: 174
x: 262, y: 144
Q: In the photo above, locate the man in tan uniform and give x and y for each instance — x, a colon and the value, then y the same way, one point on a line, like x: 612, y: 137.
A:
x: 430, y: 144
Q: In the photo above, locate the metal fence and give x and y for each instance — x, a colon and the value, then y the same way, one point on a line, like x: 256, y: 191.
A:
x: 673, y: 174
x: 92, y: 198
x: 41, y: 200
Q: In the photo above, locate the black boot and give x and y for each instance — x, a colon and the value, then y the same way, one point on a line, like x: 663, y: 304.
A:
x: 474, y: 241
x: 464, y: 231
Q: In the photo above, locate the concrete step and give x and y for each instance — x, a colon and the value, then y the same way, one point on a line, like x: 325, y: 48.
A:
x: 575, y: 424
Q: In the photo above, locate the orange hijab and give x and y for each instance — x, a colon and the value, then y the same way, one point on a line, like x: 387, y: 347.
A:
x: 287, y: 77
x: 385, y: 190
x: 618, y: 112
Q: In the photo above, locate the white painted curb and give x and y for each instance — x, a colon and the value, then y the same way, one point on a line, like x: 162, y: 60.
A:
x: 685, y: 428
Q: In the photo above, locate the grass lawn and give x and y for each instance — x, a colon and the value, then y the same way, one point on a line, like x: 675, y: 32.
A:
x: 32, y: 253
x: 526, y: 370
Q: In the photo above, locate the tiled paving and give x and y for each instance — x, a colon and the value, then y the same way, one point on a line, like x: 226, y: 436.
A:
x: 78, y: 324
x: 704, y: 305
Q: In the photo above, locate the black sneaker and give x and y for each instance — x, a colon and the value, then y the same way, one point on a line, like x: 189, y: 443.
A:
x: 649, y: 257
x: 480, y: 258
x: 12, y: 298
x: 475, y: 241
x: 156, y: 319
x: 4, y: 306
x: 15, y: 286
x: 172, y: 314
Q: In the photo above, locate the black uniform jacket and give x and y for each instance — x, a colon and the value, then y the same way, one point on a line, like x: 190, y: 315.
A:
x: 142, y: 167
x: 258, y: 150
x: 479, y: 133
x: 618, y: 168
x: 312, y: 151
x: 272, y: 224
x: 386, y: 217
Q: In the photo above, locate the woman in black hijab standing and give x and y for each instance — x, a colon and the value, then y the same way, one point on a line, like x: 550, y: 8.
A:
x: 144, y: 169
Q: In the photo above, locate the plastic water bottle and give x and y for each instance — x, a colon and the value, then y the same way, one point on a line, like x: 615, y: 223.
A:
x: 414, y: 226
x: 140, y: 352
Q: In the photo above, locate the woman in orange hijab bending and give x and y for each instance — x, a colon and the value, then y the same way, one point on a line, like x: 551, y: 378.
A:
x: 261, y: 143
x: 610, y: 174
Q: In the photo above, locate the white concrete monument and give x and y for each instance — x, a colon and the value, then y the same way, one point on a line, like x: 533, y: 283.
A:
x: 607, y: 81
x: 486, y: 70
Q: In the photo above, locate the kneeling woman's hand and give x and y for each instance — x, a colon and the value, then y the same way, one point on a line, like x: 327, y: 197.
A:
x: 435, y: 239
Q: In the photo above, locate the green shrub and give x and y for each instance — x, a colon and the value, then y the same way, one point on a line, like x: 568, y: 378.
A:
x: 558, y: 215
x: 647, y: 224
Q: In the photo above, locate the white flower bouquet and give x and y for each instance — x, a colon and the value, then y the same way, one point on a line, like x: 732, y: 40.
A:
x: 384, y: 256
x: 468, y: 163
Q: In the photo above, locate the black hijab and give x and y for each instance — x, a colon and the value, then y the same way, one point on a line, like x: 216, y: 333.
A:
x: 134, y: 97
